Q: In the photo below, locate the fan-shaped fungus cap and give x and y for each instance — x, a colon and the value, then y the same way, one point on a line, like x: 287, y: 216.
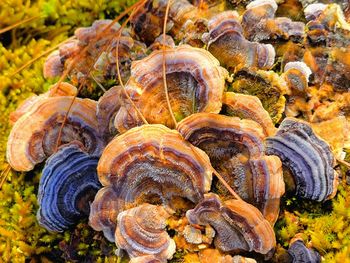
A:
x: 308, y: 158
x: 259, y: 22
x: 34, y: 136
x: 239, y: 226
x: 268, y: 86
x: 296, y: 75
x: 107, y: 107
x: 141, y: 231
x: 104, y: 211
x: 58, y: 89
x: 147, y: 22
x: 248, y: 107
x: 236, y: 150
x: 67, y: 185
x: 195, y: 83
x: 312, y: 11
x: 227, y: 43
x: 144, y: 163
x: 300, y: 253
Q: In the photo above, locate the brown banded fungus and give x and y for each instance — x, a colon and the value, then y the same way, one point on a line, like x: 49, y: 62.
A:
x: 308, y: 157
x: 227, y: 43
x: 149, y: 163
x: 141, y: 232
x: 239, y: 226
x: 236, y: 150
x: 35, y: 134
x: 91, y: 56
x: 195, y: 83
x: 107, y: 107
x: 248, y: 107
x: 259, y: 22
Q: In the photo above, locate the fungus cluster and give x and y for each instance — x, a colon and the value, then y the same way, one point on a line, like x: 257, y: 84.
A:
x: 190, y: 137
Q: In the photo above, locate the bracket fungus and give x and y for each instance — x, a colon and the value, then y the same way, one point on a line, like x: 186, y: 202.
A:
x: 267, y: 86
x: 227, y: 43
x: 67, y: 185
x: 146, y: 163
x: 34, y: 136
x: 91, y: 56
x: 236, y: 150
x: 147, y: 22
x: 141, y: 232
x: 259, y: 22
x: 239, y: 226
x: 308, y: 157
x: 195, y: 83
x: 300, y: 253
x: 248, y: 107
x: 107, y: 107
x: 296, y: 75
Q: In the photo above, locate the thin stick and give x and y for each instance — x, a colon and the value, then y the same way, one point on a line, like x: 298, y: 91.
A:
x: 99, y: 36
x: 164, y: 66
x: 118, y: 69
x: 19, y: 23
x: 222, y: 180
x: 138, y: 4
x: 98, y: 83
x: 4, y: 175
x: 344, y: 163
x: 58, y: 142
x: 38, y: 57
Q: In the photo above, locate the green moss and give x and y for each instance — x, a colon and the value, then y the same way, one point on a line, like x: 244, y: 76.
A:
x: 21, y: 238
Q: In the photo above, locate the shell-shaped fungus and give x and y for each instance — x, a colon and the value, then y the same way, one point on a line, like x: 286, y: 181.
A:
x: 195, y: 83
x: 248, y: 107
x: 236, y: 150
x: 151, y: 163
x: 107, y: 107
x: 92, y: 54
x: 268, y: 86
x: 104, y: 211
x: 147, y: 21
x: 308, y: 157
x: 226, y: 42
x: 141, y: 231
x: 34, y: 135
x: 259, y: 22
x: 296, y: 75
x: 300, y: 253
x: 68, y: 183
x: 239, y: 226
x: 58, y: 89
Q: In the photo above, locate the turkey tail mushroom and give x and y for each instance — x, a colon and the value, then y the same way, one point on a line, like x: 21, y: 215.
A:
x: 259, y: 22
x: 239, y: 226
x: 226, y: 42
x: 148, y: 163
x: 34, y: 135
x: 141, y: 232
x: 308, y: 157
x: 67, y: 185
x: 195, y: 83
x: 248, y: 107
x: 236, y: 149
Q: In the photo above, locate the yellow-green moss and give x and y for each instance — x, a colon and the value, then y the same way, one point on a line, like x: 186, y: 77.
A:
x: 21, y: 238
